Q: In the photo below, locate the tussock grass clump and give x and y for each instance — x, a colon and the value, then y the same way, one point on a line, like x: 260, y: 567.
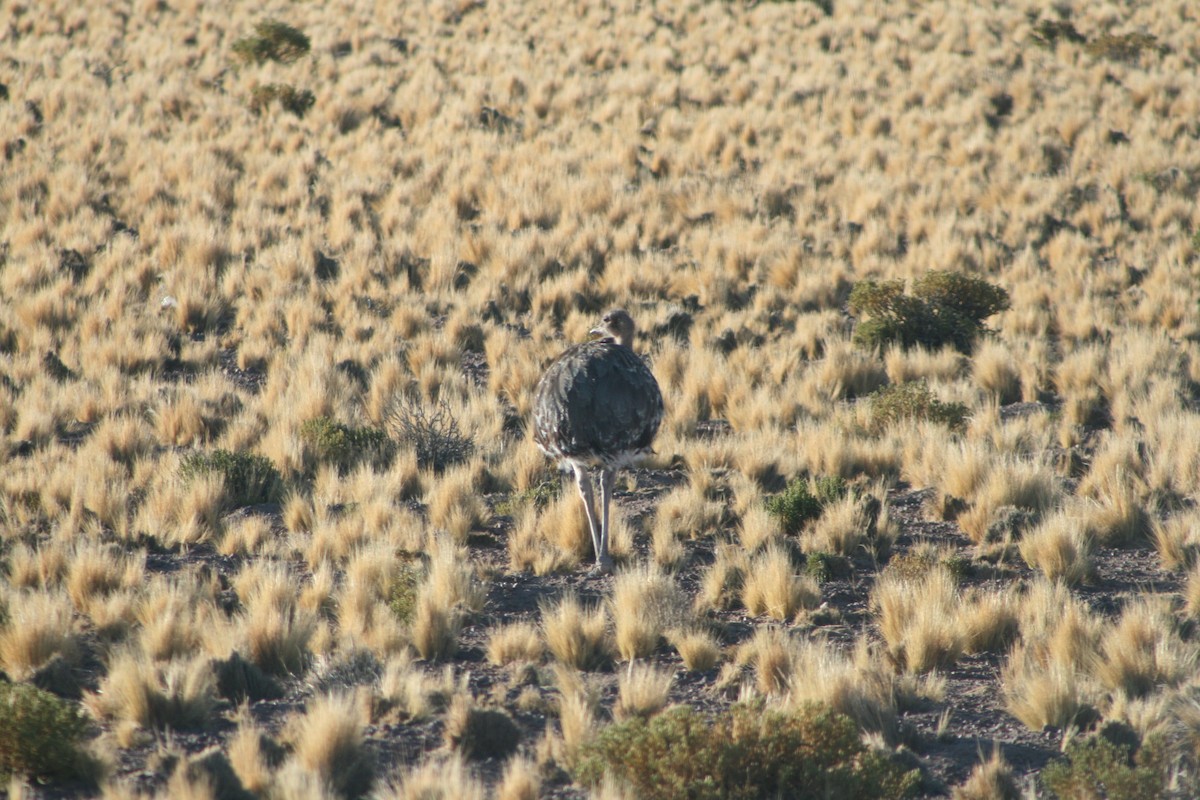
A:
x: 277, y: 636
x: 454, y: 503
x: 34, y: 628
x: 645, y: 604
x: 681, y: 753
x: 433, y: 434
x: 918, y: 619
x: 721, y: 583
x: 1177, y: 540
x: 804, y: 499
x: 480, y: 733
x: 1060, y: 548
x: 771, y: 653
x: 1143, y: 651
x: 520, y: 781
x: 642, y: 691
x: 846, y: 525
x: 860, y: 684
x: 913, y: 401
x: 343, y: 446
x: 989, y: 780
x: 772, y: 586
x: 249, y: 478
x: 41, y: 735
x: 329, y: 743
x: 518, y: 642
x: 449, y: 779
x: 1041, y: 696
x: 140, y: 694
x: 450, y: 594
x: 408, y: 693
x: 553, y: 540
x: 944, y: 308
x: 1045, y: 679
x: 698, y: 649
x: 1014, y: 496
x: 577, y: 637
x: 272, y: 41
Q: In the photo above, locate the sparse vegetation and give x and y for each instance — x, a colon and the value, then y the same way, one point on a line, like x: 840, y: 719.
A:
x: 434, y: 435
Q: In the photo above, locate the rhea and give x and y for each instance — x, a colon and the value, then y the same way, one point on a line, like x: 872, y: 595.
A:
x: 596, y: 409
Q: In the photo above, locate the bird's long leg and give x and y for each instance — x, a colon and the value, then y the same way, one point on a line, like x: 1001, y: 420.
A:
x: 584, y: 481
x: 603, y: 560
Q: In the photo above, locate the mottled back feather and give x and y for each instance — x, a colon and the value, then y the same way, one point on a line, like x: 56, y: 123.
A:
x: 597, y: 403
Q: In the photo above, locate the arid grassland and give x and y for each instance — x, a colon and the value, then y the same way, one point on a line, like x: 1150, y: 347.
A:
x: 277, y: 281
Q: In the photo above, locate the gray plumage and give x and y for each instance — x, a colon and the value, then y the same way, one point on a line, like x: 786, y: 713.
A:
x: 598, y: 406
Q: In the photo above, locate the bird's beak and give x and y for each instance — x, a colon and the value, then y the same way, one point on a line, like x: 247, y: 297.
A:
x: 597, y: 333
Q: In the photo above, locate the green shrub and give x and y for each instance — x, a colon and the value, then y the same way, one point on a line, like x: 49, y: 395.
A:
x: 944, y: 308
x: 1124, y: 47
x: 272, y: 41
x: 297, y: 101
x: 403, y: 592
x: 747, y: 753
x: 913, y: 401
x: 343, y: 446
x: 804, y: 500
x: 433, y: 435
x: 250, y: 479
x: 40, y: 734
x: 1047, y: 32
x: 538, y: 496
x: 1100, y: 768
x: 825, y: 566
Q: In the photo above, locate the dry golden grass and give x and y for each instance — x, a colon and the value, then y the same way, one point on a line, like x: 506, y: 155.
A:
x: 436, y: 780
x: 858, y: 685
x: 773, y: 587
x: 918, y: 619
x: 137, y: 693
x: 192, y: 272
x: 1038, y: 695
x: 992, y: 779
x: 520, y: 781
x: 328, y: 744
x: 1143, y: 652
x: 1060, y: 548
x: 645, y: 604
x: 576, y: 636
x: 698, y: 650
x: 247, y: 758
x: 38, y: 626
x: 518, y: 642
x: 642, y: 691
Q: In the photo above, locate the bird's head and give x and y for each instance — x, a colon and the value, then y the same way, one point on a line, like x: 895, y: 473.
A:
x: 617, y: 326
